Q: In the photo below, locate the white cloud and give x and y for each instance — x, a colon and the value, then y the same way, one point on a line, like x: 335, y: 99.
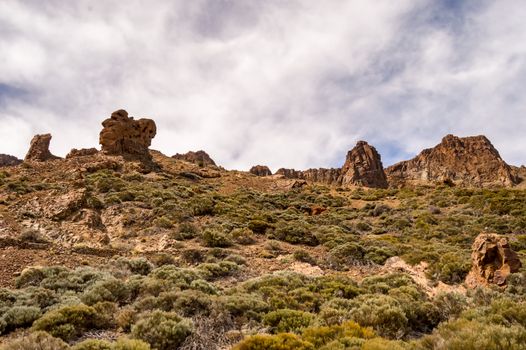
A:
x: 292, y: 84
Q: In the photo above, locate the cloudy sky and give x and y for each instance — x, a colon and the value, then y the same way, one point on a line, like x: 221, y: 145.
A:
x: 287, y: 83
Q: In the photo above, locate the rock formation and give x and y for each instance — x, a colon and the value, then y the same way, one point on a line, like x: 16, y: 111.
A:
x: 39, y: 149
x: 200, y: 158
x: 260, y: 170
x: 469, y: 161
x: 74, y: 153
x: 123, y: 135
x: 7, y: 160
x: 492, y: 261
x: 362, y: 167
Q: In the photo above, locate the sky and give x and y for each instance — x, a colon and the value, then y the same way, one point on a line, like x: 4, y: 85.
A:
x: 284, y: 83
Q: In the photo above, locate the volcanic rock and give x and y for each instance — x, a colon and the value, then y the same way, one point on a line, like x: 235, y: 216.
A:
x: 363, y: 167
x: 260, y: 170
x: 39, y: 149
x: 7, y: 160
x: 468, y: 161
x: 123, y: 135
x: 492, y: 261
x: 200, y: 158
x: 74, y: 153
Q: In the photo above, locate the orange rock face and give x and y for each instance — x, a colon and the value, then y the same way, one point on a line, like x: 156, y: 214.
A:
x: 122, y: 135
x: 492, y: 261
x: 468, y: 161
x: 39, y: 149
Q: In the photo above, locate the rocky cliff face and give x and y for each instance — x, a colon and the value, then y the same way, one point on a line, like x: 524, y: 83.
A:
x: 260, y: 170
x: 7, y: 160
x: 200, y: 158
x: 122, y: 135
x: 362, y: 167
x: 469, y: 161
x: 492, y: 261
x: 39, y: 149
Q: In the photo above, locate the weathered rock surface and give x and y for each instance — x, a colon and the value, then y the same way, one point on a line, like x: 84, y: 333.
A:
x: 123, y: 135
x: 39, y: 149
x: 492, y: 260
x: 468, y: 161
x: 7, y: 160
x: 260, y: 170
x: 200, y: 158
x: 74, y: 153
x: 362, y: 167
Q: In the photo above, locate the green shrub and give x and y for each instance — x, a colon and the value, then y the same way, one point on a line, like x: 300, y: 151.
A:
x: 286, y: 320
x: 186, y: 230
x: 297, y: 232
x: 20, y: 316
x: 243, y: 236
x: 109, y: 289
x: 120, y: 344
x: 34, y: 341
x: 162, y: 330
x: 282, y: 341
x: 213, y: 237
x: 68, y: 322
x: 320, y: 336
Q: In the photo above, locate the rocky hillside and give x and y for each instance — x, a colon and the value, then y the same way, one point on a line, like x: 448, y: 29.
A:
x: 126, y: 248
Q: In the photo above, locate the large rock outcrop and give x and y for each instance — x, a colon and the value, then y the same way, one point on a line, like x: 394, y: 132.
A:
x: 260, y: 170
x: 123, y: 135
x: 200, y: 158
x: 492, y: 261
x: 362, y: 167
x: 7, y: 160
x: 468, y: 161
x: 39, y: 149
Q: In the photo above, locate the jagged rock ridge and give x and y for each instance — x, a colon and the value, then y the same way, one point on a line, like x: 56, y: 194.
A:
x: 469, y: 161
x: 362, y: 167
x: 200, y: 158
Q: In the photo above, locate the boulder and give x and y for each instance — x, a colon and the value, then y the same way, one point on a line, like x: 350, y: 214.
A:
x: 200, y: 158
x: 492, y: 261
x: 260, y: 170
x: 123, y: 135
x: 39, y: 149
x: 467, y: 161
x: 7, y: 160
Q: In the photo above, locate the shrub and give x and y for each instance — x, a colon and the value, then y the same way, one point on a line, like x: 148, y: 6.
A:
x: 243, y: 236
x: 185, y: 230
x: 120, y: 344
x: 162, y: 330
x: 286, y: 320
x: 345, y: 255
x: 36, y: 340
x: 319, y: 336
x: 110, y: 289
x: 297, y: 232
x: 20, y: 316
x: 68, y: 322
x: 213, y: 237
x: 284, y: 341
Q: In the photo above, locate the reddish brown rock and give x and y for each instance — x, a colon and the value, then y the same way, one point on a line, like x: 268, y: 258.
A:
x: 7, y: 160
x: 363, y: 167
x: 468, y: 161
x: 83, y: 152
x: 260, y: 170
x: 39, y: 149
x: 123, y: 135
x: 200, y: 158
x: 492, y: 261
